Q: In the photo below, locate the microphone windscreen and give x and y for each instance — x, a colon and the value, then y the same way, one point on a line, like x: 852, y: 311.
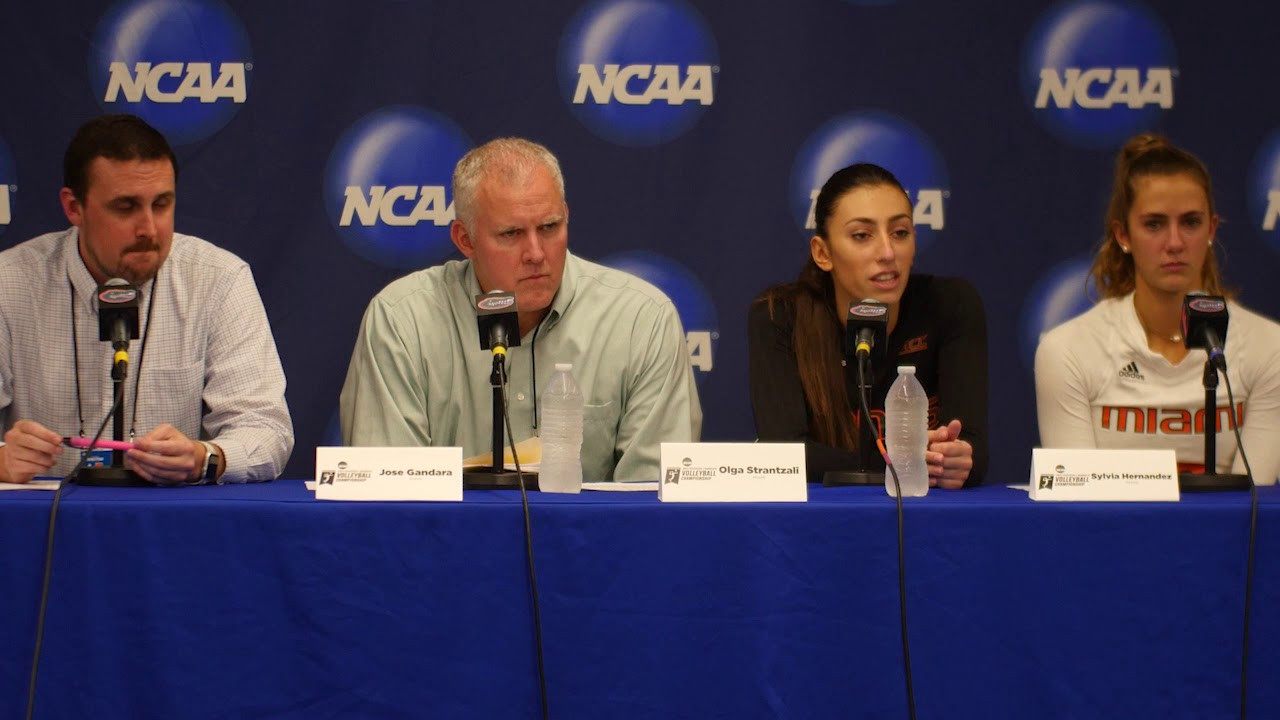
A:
x: 869, y: 315
x: 117, y: 303
x: 1201, y: 312
x: 497, y: 309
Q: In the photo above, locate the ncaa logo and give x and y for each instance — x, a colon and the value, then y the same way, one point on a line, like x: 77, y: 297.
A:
x: 638, y: 72
x: 388, y: 185
x: 1099, y: 71
x: 1058, y: 296
x: 1264, y: 191
x: 885, y: 140
x: 693, y: 302
x: 7, y: 186
x: 181, y: 65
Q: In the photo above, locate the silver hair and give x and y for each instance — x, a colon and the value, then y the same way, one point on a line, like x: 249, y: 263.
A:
x: 510, y: 159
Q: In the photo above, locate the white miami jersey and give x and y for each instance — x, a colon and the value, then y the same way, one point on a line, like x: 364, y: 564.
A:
x: 1099, y: 385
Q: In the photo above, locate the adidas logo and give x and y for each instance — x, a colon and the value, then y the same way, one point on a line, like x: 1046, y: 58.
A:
x: 1130, y: 372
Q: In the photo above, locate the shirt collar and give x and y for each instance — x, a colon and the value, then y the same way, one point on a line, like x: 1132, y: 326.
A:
x: 568, y: 287
x: 85, y: 286
x: 559, y: 304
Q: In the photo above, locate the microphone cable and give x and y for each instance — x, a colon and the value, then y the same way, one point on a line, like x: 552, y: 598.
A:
x: 528, y: 543
x: 1253, y: 531
x: 48, y: 555
x: 902, y: 573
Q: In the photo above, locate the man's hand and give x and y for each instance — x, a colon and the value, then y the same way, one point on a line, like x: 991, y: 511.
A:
x: 165, y: 456
x: 949, y: 459
x: 30, y: 449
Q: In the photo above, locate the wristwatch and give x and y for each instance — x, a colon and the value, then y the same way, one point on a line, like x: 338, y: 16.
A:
x: 211, y: 469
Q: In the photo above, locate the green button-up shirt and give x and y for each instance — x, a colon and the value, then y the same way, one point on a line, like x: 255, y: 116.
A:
x: 418, y: 375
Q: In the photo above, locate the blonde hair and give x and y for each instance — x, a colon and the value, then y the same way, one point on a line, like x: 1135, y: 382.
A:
x: 510, y: 158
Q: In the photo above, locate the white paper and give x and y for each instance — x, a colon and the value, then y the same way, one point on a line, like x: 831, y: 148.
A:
x: 530, y: 450
x: 33, y: 485
x: 621, y: 486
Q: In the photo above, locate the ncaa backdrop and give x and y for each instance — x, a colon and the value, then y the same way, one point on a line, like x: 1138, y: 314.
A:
x: 316, y: 140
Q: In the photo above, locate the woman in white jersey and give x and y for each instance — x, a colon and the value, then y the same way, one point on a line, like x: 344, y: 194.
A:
x: 1120, y: 376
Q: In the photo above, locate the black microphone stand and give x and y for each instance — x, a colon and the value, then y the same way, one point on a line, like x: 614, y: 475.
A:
x: 115, y: 474
x: 1210, y: 480
x: 866, y: 438
x: 496, y: 476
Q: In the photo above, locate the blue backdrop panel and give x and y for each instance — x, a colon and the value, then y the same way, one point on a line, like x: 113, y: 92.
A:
x: 316, y: 141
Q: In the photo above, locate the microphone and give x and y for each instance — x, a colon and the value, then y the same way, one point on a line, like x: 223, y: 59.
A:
x: 498, y: 321
x: 1204, y: 325
x: 118, y: 324
x: 499, y: 325
x: 866, y: 327
x: 118, y: 314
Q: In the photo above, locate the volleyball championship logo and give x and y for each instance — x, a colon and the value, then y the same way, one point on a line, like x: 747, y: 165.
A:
x: 388, y: 185
x: 882, y: 139
x: 1098, y: 71
x: 638, y: 72
x: 693, y: 303
x: 181, y: 65
x: 1059, y: 295
x: 1264, y: 191
x: 8, y: 184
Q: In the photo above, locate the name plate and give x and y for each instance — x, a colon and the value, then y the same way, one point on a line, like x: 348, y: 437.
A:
x: 389, y: 473
x: 1104, y: 475
x: 733, y: 472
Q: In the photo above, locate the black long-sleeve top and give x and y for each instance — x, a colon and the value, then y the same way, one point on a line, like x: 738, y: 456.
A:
x: 941, y: 330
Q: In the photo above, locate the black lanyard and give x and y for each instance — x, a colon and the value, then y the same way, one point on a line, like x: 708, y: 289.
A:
x: 533, y: 373
x: 142, y: 353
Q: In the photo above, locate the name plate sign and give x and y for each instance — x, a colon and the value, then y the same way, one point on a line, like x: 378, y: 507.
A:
x: 1104, y: 475
x: 389, y: 473
x: 733, y: 472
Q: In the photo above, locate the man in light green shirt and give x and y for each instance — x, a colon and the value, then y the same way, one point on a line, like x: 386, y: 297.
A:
x: 418, y: 375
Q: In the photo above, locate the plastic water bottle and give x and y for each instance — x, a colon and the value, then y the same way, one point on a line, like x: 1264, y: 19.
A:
x: 561, y: 468
x: 906, y: 410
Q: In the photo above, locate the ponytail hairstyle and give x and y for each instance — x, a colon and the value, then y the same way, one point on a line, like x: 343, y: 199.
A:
x: 817, y: 338
x: 1143, y: 156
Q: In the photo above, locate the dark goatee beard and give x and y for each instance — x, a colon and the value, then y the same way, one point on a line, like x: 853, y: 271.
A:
x: 137, y: 279
x: 138, y: 276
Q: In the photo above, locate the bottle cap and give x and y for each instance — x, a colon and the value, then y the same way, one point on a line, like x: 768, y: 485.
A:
x: 902, y: 369
x: 564, y: 367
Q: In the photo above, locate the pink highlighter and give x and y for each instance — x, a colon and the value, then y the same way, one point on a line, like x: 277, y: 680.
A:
x: 84, y: 443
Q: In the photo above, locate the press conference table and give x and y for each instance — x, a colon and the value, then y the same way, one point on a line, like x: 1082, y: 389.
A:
x: 261, y: 602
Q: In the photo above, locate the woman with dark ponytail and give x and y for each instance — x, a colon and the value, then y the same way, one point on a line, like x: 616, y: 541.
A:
x: 801, y: 387
x: 1120, y: 375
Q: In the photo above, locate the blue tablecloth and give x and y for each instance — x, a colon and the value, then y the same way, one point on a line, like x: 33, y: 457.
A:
x: 260, y: 602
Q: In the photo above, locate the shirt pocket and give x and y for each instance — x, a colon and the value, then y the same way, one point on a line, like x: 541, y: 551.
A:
x: 599, y: 441
x: 174, y: 395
